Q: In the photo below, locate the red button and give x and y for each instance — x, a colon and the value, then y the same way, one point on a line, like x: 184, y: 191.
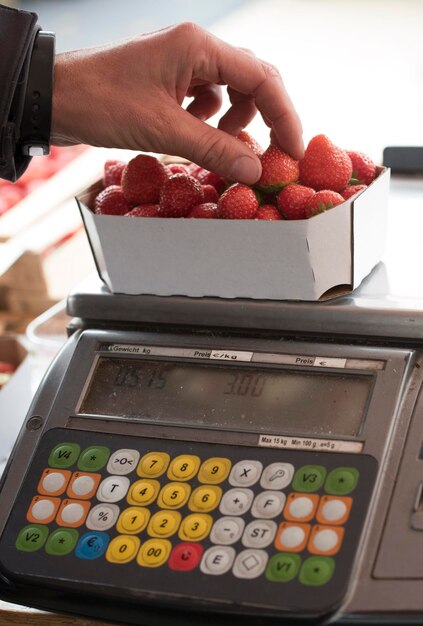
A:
x: 185, y: 556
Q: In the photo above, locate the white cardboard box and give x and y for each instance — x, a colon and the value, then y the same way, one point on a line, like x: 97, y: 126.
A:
x: 310, y: 259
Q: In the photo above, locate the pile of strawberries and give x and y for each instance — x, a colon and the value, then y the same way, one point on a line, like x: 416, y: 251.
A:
x: 287, y: 189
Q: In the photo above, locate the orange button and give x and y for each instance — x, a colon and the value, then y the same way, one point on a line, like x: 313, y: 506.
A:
x: 300, y: 507
x: 53, y: 482
x: 334, y: 510
x: 83, y: 485
x: 72, y: 513
x: 292, y: 537
x: 325, y: 540
x: 42, y: 510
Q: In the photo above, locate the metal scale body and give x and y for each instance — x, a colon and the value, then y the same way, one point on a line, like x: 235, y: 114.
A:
x: 366, y: 348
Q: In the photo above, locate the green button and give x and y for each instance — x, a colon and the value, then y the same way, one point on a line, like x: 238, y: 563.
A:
x: 64, y: 455
x: 309, y: 478
x: 32, y: 538
x: 317, y: 570
x: 62, y: 541
x: 342, y: 480
x: 93, y: 459
x: 283, y: 567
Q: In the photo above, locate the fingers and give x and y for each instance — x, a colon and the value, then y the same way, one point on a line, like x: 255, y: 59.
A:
x: 207, y: 101
x: 239, y: 115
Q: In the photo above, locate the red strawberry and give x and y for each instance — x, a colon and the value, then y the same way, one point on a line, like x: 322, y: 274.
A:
x: 111, y: 201
x: 267, y: 212
x: 6, y: 367
x: 352, y: 190
x: 320, y: 201
x: 142, y: 180
x: 325, y: 166
x: 210, y: 193
x: 250, y: 141
x: 291, y: 201
x: 278, y: 170
x: 113, y: 171
x: 239, y: 202
x: 144, y: 210
x: 205, y: 210
x: 179, y: 195
x: 364, y: 170
x: 209, y: 178
x: 176, y: 168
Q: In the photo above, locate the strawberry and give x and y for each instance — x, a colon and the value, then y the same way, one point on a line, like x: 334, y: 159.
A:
x: 179, y: 195
x: 320, y: 201
x: 111, y: 201
x: 291, y: 201
x: 251, y: 142
x: 142, y: 180
x: 352, y: 190
x: 278, y: 170
x: 176, y: 168
x: 209, y: 178
x: 210, y: 193
x: 205, y: 210
x: 267, y: 212
x: 325, y: 166
x: 6, y: 367
x: 113, y: 171
x: 237, y: 203
x: 364, y: 170
x: 144, y: 210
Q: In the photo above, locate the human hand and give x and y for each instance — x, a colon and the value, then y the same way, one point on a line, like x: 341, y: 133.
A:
x: 130, y: 95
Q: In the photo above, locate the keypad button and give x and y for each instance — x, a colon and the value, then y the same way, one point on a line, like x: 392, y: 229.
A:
x: 92, y: 545
x: 133, y: 520
x: 204, y: 499
x: 342, y: 481
x: 333, y: 510
x: 309, y: 478
x: 123, y: 461
x: 217, y: 560
x: 83, y: 485
x: 31, y: 538
x: 245, y: 473
x: 214, y: 470
x: 268, y: 504
x: 72, y: 513
x: 283, y: 567
x: 153, y: 464
x: 300, y: 507
x: 164, y: 523
x: 123, y: 549
x: 113, y: 489
x: 183, y: 467
x: 53, y: 482
x: 64, y: 455
x: 102, y: 516
x: 195, y: 527
x: 143, y: 492
x: 292, y: 537
x: 317, y: 571
x: 93, y: 459
x: 277, y: 476
x: 259, y: 534
x: 227, y: 530
x: 325, y: 540
x: 42, y: 510
x: 185, y: 556
x: 154, y: 552
x: 250, y: 563
x: 174, y: 495
x: 62, y: 541
x: 236, y: 501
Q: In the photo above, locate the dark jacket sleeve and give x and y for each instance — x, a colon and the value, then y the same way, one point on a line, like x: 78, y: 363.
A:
x: 18, y: 30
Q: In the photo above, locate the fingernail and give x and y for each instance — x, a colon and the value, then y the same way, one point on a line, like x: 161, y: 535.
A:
x: 245, y: 170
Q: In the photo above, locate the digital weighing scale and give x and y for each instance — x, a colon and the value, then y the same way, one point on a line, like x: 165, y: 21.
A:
x: 229, y: 461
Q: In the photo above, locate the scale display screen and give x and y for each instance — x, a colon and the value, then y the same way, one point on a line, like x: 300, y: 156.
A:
x: 228, y: 397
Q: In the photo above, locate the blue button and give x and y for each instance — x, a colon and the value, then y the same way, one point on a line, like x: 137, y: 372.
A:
x: 92, y: 545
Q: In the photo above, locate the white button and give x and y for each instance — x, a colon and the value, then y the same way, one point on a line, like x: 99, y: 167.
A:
x: 250, y: 563
x: 53, y: 482
x: 268, y: 504
x: 123, y: 461
x: 102, y: 516
x: 83, y: 485
x: 42, y: 509
x: 217, y: 560
x: 277, y: 476
x: 334, y: 510
x: 245, y: 473
x: 113, y: 489
x: 300, y: 507
x: 227, y: 530
x: 236, y: 501
x: 292, y: 536
x: 325, y: 540
x: 259, y: 534
x: 72, y: 513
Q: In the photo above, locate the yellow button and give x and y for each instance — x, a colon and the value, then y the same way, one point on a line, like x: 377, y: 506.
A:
x: 174, y: 495
x: 195, y: 527
x: 214, y: 470
x: 205, y: 498
x: 153, y: 464
x: 154, y: 552
x: 143, y: 492
x: 183, y: 467
x: 122, y: 549
x: 164, y: 523
x: 133, y: 520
